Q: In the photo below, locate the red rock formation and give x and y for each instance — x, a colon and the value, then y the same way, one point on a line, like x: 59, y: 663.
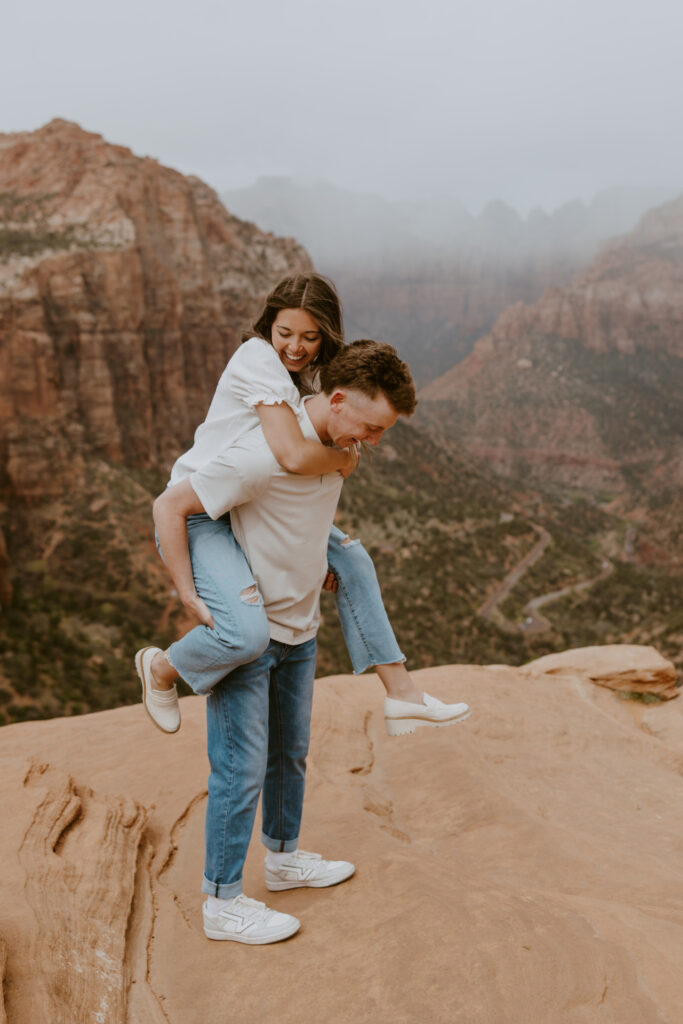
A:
x: 584, y: 385
x: 123, y: 289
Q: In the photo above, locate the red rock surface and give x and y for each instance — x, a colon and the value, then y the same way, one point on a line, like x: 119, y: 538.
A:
x: 521, y: 867
x: 629, y: 668
x: 123, y: 290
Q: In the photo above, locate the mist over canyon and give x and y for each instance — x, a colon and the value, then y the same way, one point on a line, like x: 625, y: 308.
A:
x: 430, y: 275
x: 124, y: 287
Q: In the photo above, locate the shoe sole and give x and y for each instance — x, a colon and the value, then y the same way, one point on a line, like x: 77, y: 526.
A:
x: 404, y: 726
x: 141, y: 674
x: 316, y: 884
x: 284, y: 933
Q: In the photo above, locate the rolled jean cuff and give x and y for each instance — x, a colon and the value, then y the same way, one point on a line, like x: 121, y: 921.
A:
x: 223, y: 892
x: 360, y: 667
x: 279, y: 845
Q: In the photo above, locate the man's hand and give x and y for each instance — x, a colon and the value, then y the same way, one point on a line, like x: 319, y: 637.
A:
x: 331, y: 582
x: 353, y: 453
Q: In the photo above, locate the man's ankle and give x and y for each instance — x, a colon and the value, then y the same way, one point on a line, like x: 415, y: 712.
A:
x: 214, y: 904
x: 275, y: 859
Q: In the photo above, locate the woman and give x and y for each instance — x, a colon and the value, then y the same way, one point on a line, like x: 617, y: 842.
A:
x: 299, y: 330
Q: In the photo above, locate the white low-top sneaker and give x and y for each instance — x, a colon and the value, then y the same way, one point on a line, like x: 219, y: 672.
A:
x: 307, y: 869
x: 400, y: 717
x: 161, y: 705
x: 246, y: 920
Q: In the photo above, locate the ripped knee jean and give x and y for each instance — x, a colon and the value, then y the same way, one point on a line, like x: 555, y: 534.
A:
x: 224, y: 581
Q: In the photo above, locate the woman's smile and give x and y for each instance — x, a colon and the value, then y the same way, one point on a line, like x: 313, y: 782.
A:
x: 296, y: 338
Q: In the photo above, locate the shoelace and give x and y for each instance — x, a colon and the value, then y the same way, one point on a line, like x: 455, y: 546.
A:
x: 304, y: 855
x: 253, y: 909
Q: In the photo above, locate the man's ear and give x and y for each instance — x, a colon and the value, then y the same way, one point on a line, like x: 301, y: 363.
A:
x: 337, y: 398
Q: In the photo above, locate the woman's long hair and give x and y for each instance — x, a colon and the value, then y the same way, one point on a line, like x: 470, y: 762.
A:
x: 318, y: 296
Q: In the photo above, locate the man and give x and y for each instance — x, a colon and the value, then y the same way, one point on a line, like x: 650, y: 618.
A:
x: 258, y: 719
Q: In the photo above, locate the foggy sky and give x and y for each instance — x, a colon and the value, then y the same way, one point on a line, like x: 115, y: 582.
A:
x: 531, y: 101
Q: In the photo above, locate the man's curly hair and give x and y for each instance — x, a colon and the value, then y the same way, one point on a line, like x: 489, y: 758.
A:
x: 371, y: 367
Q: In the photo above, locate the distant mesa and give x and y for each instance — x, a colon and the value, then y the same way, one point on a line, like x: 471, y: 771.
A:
x: 603, y: 371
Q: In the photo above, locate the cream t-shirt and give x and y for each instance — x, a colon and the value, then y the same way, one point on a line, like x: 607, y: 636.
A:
x: 282, y: 522
x: 254, y: 375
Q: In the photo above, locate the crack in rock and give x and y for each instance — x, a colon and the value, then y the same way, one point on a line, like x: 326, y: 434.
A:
x: 3, y: 969
x: 80, y: 854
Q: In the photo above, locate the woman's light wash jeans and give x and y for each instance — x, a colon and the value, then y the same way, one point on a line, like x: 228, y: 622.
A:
x: 258, y: 728
x: 241, y: 633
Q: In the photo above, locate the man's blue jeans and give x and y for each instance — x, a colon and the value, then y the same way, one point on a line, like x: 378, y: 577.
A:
x: 258, y: 729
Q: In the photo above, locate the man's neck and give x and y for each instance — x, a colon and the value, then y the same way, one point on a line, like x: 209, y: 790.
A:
x: 318, y: 409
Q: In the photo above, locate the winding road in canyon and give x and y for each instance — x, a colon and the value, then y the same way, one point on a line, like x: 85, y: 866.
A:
x: 533, y: 622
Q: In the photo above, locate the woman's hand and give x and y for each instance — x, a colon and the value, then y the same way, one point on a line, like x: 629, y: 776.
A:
x: 199, y: 609
x: 353, y: 458
x: 331, y: 582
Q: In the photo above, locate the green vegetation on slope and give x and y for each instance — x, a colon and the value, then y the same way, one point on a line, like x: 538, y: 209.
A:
x: 89, y: 588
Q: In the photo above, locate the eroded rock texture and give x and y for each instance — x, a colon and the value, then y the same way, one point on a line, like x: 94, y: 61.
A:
x: 80, y: 854
x: 3, y: 964
x: 123, y: 290
x: 629, y: 668
x: 518, y: 867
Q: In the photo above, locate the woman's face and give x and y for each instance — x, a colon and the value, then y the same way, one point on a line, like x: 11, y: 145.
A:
x: 296, y: 338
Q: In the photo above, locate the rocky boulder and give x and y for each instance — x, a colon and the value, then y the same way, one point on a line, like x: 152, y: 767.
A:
x: 627, y: 667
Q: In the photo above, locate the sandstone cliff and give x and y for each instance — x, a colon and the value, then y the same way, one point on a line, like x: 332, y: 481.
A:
x: 583, y: 388
x: 123, y: 289
x: 518, y: 867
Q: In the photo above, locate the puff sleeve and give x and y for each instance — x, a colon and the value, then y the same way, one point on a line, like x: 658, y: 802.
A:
x: 258, y: 376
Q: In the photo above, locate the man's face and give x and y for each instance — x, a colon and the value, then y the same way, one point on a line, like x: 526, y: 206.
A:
x: 356, y: 417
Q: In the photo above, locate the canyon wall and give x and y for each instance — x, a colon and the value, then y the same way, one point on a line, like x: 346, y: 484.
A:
x: 124, y: 286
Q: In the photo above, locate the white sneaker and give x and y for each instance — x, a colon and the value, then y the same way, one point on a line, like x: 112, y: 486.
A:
x: 307, y: 869
x: 245, y: 920
x: 161, y: 705
x: 400, y: 717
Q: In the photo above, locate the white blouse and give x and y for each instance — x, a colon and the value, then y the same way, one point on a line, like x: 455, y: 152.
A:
x: 254, y: 375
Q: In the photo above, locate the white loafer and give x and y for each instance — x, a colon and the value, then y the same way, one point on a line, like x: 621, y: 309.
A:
x: 401, y: 718
x: 161, y: 705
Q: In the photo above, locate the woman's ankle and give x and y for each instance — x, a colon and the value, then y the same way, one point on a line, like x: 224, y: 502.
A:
x: 398, y: 683
x: 163, y: 673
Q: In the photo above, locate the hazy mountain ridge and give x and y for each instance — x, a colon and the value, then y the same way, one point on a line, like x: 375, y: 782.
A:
x: 429, y: 276
x: 339, y: 227
x: 584, y: 386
